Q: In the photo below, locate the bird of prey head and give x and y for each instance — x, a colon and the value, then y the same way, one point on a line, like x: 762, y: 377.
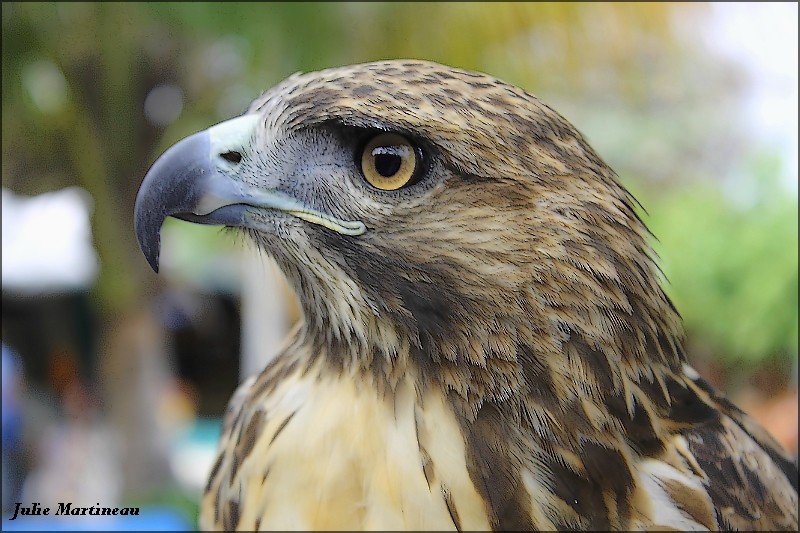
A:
x: 463, y: 255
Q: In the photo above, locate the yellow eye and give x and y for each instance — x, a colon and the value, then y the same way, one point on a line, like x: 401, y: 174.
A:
x: 389, y: 161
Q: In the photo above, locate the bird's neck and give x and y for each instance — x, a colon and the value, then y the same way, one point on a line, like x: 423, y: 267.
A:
x: 586, y: 319
x: 512, y: 354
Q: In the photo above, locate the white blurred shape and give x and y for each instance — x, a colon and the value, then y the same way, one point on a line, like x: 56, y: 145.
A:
x: 224, y: 58
x: 163, y: 104
x: 264, y: 321
x: 47, y: 241
x: 762, y: 37
x: 192, y: 464
x: 46, y: 85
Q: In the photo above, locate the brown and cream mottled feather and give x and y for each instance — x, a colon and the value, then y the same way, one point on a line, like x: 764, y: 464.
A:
x: 494, y: 352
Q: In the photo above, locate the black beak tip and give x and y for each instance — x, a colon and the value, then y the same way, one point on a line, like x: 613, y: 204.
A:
x: 152, y: 258
x: 148, y: 234
x: 170, y: 187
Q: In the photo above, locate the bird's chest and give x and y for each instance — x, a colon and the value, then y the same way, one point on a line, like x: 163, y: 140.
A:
x: 330, y: 452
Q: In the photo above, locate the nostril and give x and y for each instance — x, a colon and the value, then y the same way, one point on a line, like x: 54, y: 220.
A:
x: 232, y: 157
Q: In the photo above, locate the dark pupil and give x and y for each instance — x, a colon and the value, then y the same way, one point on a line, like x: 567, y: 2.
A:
x: 387, y: 165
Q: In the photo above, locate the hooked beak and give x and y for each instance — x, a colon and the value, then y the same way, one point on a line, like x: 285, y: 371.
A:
x: 195, y: 180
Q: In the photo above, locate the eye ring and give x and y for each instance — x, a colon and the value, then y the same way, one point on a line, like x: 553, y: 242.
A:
x: 389, y: 161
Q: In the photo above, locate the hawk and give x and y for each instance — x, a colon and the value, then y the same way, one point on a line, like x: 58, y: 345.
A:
x: 485, y: 343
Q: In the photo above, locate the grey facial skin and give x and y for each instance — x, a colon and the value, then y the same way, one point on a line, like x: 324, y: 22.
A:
x: 195, y: 180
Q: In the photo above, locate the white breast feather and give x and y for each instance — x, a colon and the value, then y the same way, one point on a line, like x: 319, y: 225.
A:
x: 350, y: 460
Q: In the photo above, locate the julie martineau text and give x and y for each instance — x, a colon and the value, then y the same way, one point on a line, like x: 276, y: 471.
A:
x: 70, y: 509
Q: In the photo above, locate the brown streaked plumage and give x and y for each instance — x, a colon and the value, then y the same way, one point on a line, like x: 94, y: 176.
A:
x: 486, y: 347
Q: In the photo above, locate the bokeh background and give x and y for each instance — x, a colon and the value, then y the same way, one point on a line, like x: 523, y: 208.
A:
x: 114, y: 379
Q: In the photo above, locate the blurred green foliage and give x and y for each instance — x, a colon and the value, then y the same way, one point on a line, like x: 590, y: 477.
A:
x: 731, y: 264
